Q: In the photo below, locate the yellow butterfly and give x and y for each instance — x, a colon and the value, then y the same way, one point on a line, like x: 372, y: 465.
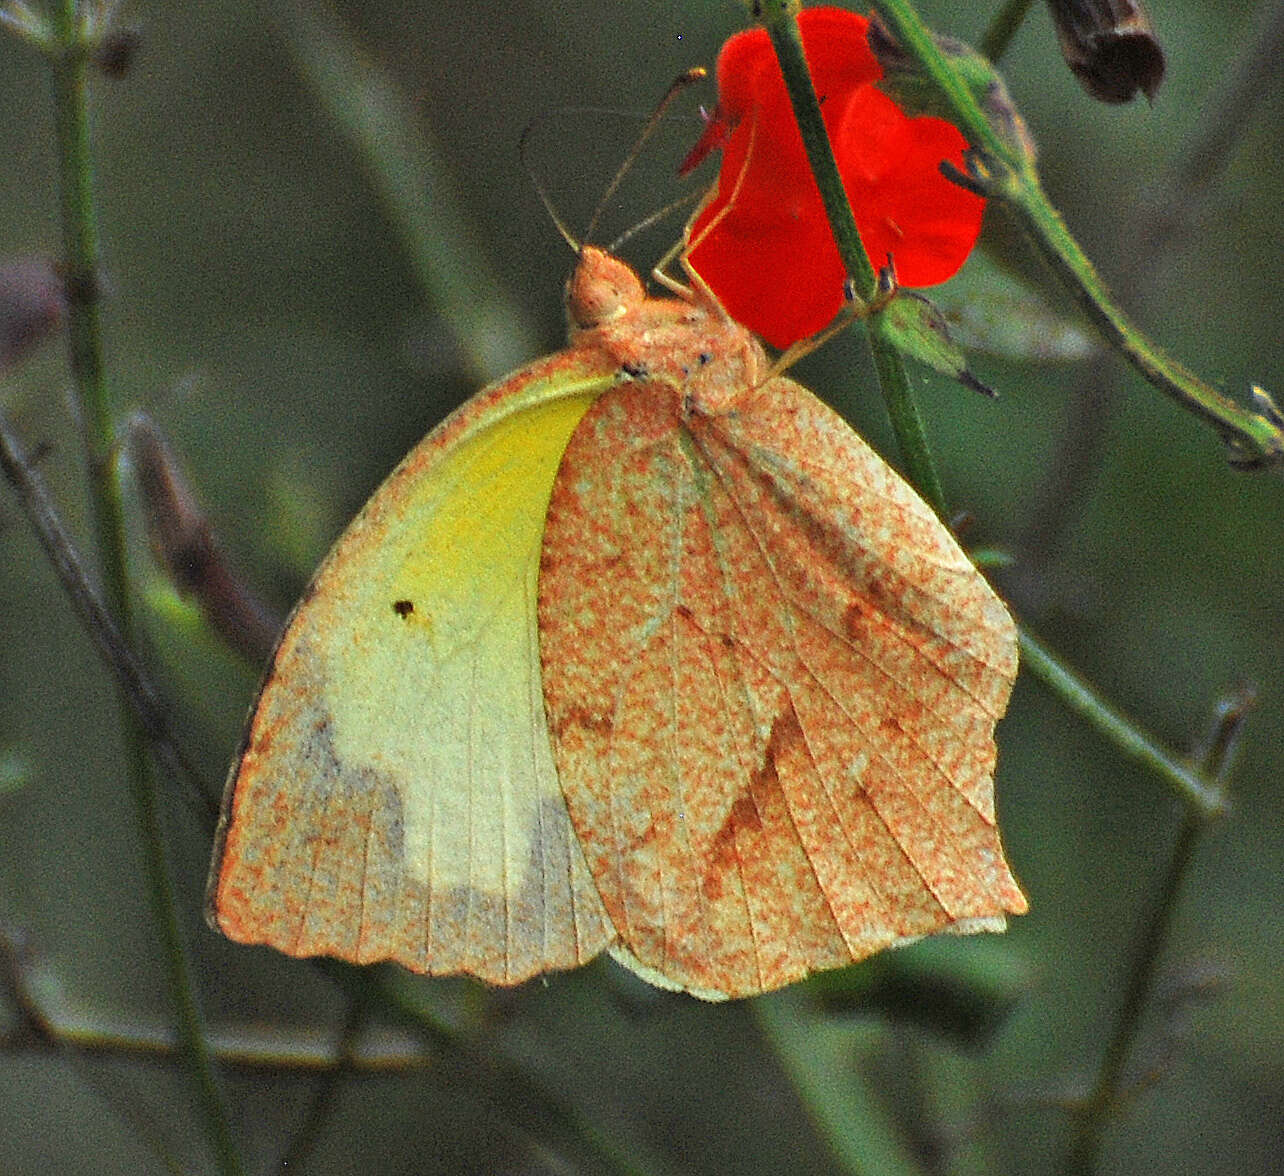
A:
x: 640, y: 650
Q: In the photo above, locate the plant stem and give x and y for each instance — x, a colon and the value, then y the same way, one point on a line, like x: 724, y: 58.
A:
x: 69, y: 58
x: 1253, y: 438
x: 1094, y: 1114
x: 1003, y: 28
x: 1149, y: 229
x: 782, y: 27
x: 1189, y: 784
x: 907, y: 423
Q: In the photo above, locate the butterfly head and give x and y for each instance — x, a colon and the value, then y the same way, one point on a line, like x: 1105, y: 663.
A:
x: 688, y: 341
x: 602, y: 290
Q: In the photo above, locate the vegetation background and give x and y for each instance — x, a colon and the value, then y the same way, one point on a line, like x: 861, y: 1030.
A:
x: 263, y: 306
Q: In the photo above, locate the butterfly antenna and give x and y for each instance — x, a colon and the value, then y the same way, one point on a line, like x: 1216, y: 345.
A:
x: 668, y: 210
x: 680, y: 83
x: 523, y: 146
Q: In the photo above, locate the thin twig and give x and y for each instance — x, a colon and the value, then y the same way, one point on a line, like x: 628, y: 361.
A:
x: 131, y: 676
x: 255, y: 1049
x: 1094, y: 1115
x: 68, y: 57
x: 299, y: 1149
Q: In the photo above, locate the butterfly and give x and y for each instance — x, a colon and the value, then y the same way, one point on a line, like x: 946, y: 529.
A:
x: 642, y: 650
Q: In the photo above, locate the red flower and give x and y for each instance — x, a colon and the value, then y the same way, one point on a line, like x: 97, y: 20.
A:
x: 763, y: 244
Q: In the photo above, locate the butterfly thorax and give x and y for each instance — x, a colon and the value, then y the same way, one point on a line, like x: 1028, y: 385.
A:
x: 688, y: 344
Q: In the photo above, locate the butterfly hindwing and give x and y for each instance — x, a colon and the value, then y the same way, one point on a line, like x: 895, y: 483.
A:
x: 772, y: 678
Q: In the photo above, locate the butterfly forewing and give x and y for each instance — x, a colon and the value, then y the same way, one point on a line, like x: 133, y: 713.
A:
x: 396, y: 796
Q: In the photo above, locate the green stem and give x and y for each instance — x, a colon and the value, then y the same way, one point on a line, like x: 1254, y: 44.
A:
x: 907, y: 422
x: 1122, y: 732
x: 69, y: 58
x: 1003, y: 28
x: 1093, y: 1115
x: 1253, y: 438
x: 779, y: 18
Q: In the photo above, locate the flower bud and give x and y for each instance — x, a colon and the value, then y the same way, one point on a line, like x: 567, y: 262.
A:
x: 32, y: 303
x: 1110, y: 46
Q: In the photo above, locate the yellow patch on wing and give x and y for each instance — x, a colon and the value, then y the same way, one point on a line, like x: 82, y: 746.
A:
x: 396, y: 796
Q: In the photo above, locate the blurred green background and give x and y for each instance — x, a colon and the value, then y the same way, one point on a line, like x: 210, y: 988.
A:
x: 263, y: 306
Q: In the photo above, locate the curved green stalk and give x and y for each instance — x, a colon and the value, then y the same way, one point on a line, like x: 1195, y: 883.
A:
x: 1003, y: 28
x: 68, y: 52
x: 1254, y: 438
x: 779, y: 18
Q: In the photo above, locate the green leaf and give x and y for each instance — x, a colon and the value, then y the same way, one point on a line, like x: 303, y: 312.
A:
x: 988, y: 309
x: 917, y: 329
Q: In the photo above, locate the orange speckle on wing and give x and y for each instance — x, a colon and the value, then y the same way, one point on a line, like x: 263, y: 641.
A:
x: 771, y: 676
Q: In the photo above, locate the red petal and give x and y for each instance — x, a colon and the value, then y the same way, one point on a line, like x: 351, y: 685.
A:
x: 763, y: 244
x: 904, y: 206
x: 716, y: 132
